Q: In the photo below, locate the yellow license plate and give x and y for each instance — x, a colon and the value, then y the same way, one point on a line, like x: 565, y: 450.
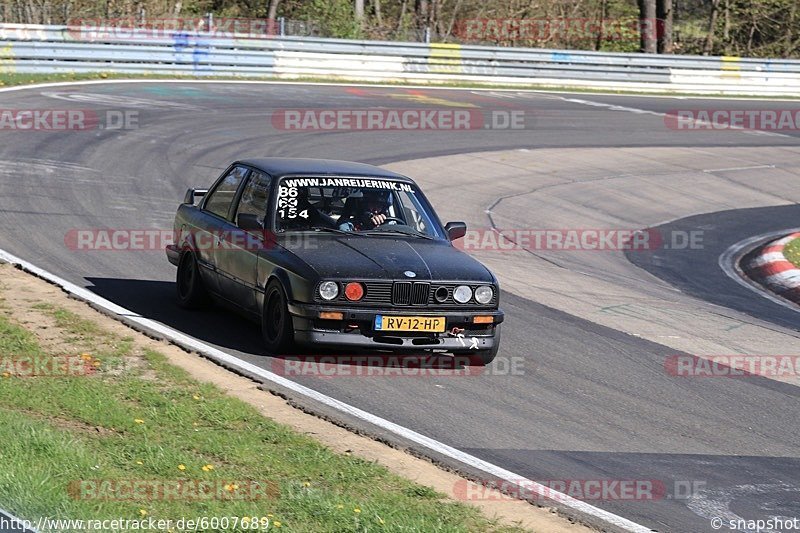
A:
x: 409, y: 323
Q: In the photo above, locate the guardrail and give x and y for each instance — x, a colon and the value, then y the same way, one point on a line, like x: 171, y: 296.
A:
x: 48, y: 49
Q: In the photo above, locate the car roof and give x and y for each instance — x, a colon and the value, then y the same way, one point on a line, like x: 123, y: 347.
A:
x: 285, y: 166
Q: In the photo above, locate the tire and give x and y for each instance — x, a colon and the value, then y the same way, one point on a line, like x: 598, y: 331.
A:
x: 191, y: 292
x: 276, y: 323
x: 483, y: 357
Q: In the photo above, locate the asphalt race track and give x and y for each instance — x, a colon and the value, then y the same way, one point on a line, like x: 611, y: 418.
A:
x: 593, y: 402
x: 714, y: 285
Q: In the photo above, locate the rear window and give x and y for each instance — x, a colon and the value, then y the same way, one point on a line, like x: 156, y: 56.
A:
x: 220, y: 199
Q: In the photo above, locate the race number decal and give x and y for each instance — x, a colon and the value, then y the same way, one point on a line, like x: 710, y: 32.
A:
x: 287, y: 203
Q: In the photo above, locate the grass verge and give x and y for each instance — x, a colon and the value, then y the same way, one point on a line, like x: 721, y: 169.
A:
x: 792, y: 252
x: 76, y: 438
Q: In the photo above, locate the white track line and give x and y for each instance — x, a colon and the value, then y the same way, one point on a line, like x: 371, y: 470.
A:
x: 728, y: 262
x: 733, y: 169
x: 219, y: 356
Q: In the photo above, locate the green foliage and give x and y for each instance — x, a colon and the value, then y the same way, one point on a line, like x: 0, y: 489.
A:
x: 749, y: 28
x: 766, y: 28
x: 792, y: 252
x: 332, y: 18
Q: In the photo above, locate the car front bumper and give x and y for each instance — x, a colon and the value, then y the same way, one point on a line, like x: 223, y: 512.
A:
x: 460, y: 334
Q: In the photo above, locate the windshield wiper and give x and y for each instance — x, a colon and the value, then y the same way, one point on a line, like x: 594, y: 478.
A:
x: 335, y: 230
x: 397, y: 229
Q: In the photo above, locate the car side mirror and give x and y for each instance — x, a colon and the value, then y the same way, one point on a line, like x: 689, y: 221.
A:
x: 192, y: 194
x: 456, y: 230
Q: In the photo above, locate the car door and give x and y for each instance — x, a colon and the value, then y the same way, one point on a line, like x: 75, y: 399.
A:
x: 216, y: 208
x: 239, y: 248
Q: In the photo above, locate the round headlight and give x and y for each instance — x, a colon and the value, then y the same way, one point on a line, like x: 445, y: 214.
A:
x: 462, y: 294
x: 483, y: 294
x: 328, y: 290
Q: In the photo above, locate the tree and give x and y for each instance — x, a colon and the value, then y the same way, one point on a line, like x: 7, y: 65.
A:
x: 273, y: 9
x: 647, y: 26
x: 422, y: 13
x: 359, y: 12
x: 712, y: 24
x: 664, y: 25
x: 376, y: 6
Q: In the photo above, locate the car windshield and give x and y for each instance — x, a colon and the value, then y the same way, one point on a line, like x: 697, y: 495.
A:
x: 354, y: 205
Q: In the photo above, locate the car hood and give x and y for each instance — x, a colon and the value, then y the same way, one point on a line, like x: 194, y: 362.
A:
x: 388, y: 257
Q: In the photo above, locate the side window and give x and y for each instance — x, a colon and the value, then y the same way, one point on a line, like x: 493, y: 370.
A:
x: 415, y: 214
x: 221, y: 197
x: 253, y: 204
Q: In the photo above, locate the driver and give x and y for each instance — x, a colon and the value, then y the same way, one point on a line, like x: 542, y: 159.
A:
x: 371, y: 210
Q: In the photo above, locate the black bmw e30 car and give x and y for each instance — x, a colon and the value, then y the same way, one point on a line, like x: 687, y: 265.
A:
x: 334, y: 254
